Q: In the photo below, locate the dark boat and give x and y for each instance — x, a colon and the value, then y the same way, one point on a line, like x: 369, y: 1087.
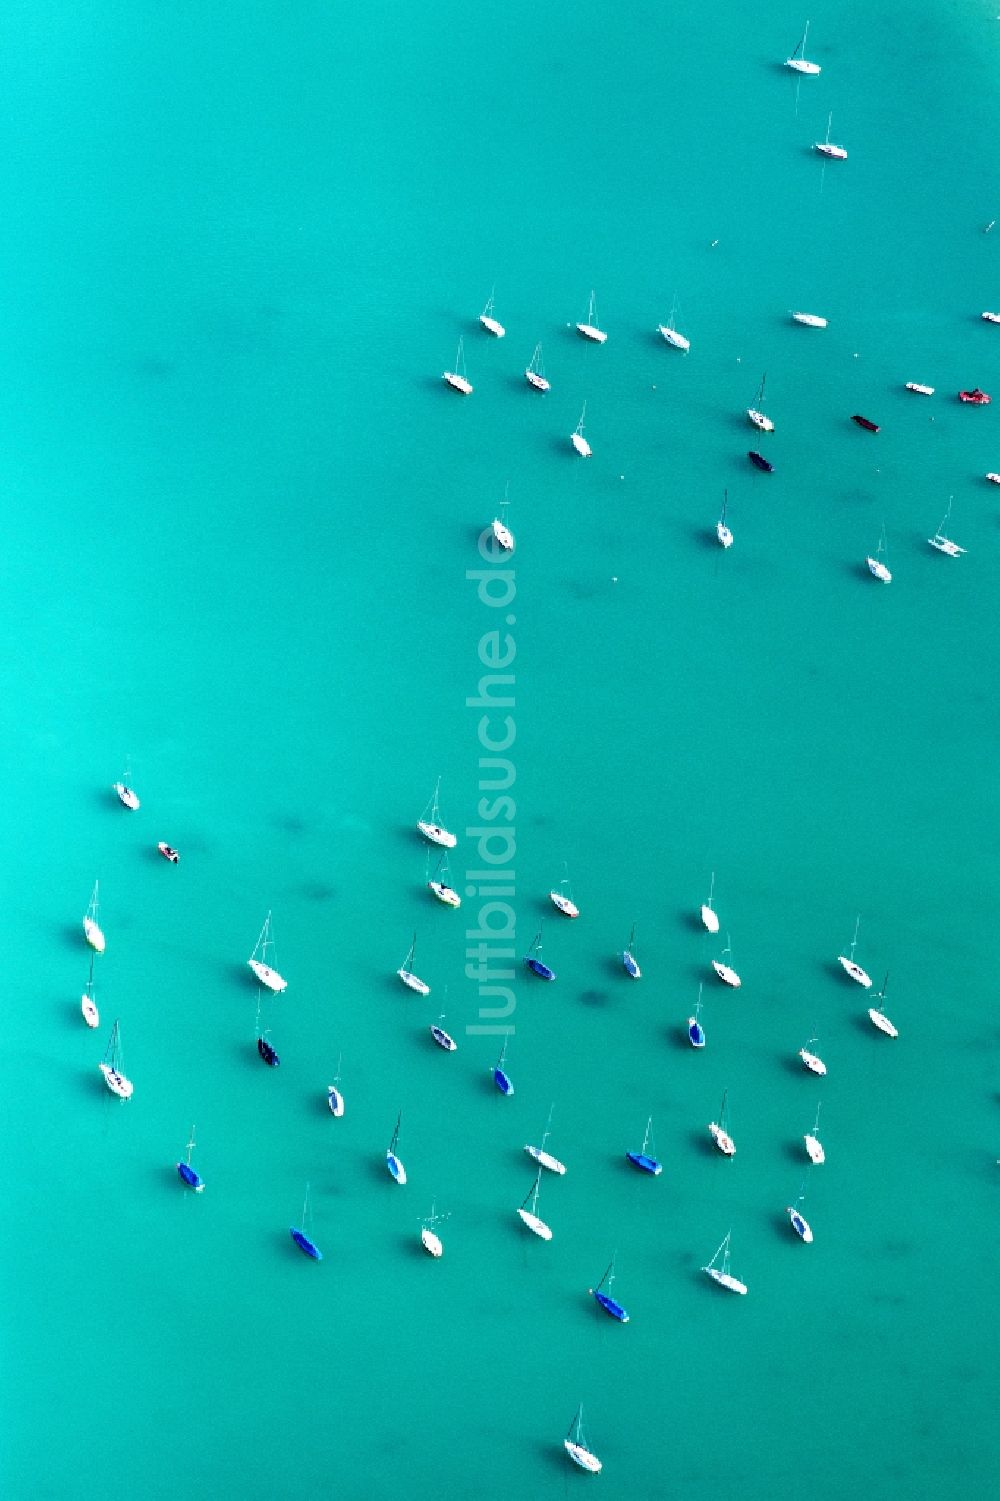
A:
x: 268, y: 1054
x: 535, y: 963
x: 610, y: 1305
x: 303, y: 1242
x: 696, y: 1032
x: 865, y: 422
x: 976, y: 397
x: 760, y: 462
x: 642, y: 1160
x: 187, y: 1173
x: 501, y: 1079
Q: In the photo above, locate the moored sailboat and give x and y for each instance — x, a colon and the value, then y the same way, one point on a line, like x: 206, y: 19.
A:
x: 334, y: 1099
x: 756, y: 413
x: 87, y: 1003
x: 442, y: 1038
x: 814, y: 1147
x: 307, y: 1246
x: 827, y: 148
x: 265, y: 972
x: 695, y: 1030
x: 577, y: 439
x: 575, y: 1445
x: 799, y: 1222
x: 719, y: 1130
x: 490, y: 323
x: 877, y: 1016
x: 127, y: 795
x: 811, y: 320
x: 563, y: 901
x: 604, y: 1299
x: 812, y: 1061
x: 530, y: 1217
x: 429, y: 823
x: 405, y: 972
x: 877, y: 565
x: 113, y: 1067
x: 709, y: 916
x: 535, y: 372
x: 501, y: 1078
x: 458, y: 378
x: 429, y: 1238
x: 941, y: 542
x: 392, y: 1161
x: 440, y: 886
x: 797, y: 62
x: 645, y: 1159
x: 669, y: 332
x: 265, y: 1051
x: 187, y: 1173
x: 589, y: 328
x: 722, y: 531
x: 92, y: 930
x: 502, y: 534
x: 861, y: 976
x: 721, y: 1274
x: 541, y: 1156
x: 629, y: 960
x: 725, y: 971
x: 533, y: 958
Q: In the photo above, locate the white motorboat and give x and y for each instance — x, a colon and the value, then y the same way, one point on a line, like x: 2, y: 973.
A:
x: 265, y: 972
x: 576, y: 1446
x: 756, y: 413
x: 722, y: 531
x: 826, y: 148
x: 405, y: 973
x: 92, y: 930
x: 535, y: 372
x: 850, y: 967
x: 589, y: 329
x: 921, y: 390
x: 877, y: 566
x: 530, y: 1217
x: 941, y: 542
x: 709, y: 916
x: 814, y: 1147
x: 721, y: 1274
x: 797, y: 62
x: 812, y: 1061
x: 577, y: 439
x: 719, y: 1133
x: 430, y: 825
x: 669, y: 332
x: 113, y: 1068
x: 811, y: 320
x: 877, y: 1016
x: 457, y: 378
x: 725, y: 972
x: 488, y: 321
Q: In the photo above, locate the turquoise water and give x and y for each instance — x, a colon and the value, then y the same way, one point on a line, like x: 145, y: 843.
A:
x: 239, y: 508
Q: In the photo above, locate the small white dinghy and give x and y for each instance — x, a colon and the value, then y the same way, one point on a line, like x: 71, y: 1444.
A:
x: 709, y: 916
x: 798, y: 63
x: 669, y: 332
x: 814, y: 1147
x: 719, y: 1133
x: 429, y: 823
x: 266, y: 973
x: 529, y: 1217
x: 457, y: 378
x: 861, y: 976
x: 488, y: 321
x: 721, y: 1274
x: 87, y: 1003
x: 722, y: 531
x: 827, y: 148
x: 577, y: 439
x: 811, y: 320
x: 877, y: 1016
x: 942, y: 543
x: 535, y: 372
x: 725, y: 972
x: 405, y: 973
x: 589, y: 329
x: 877, y: 566
x: 921, y: 390
x: 92, y: 930
x: 812, y: 1061
x: 576, y: 1446
x: 541, y: 1156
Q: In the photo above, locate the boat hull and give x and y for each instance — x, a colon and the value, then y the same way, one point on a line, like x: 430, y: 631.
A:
x: 437, y: 835
x: 722, y: 1140
x: 94, y: 936
x: 727, y: 975
x: 563, y: 904
x: 412, y: 982
x: 445, y: 894
x: 457, y: 383
x: 800, y: 1226
x: 335, y: 1101
x: 268, y: 977
x: 881, y: 1021
x: 759, y: 462
x: 645, y: 1163
x: 396, y: 1169
x: 444, y: 1039
x: 431, y: 1243
x: 492, y: 326
x: 581, y: 445
x: 631, y: 967
x: 814, y: 1149
x: 878, y: 570
x: 724, y: 535
x: 169, y: 853
x: 306, y: 1246
x: 861, y: 976
x: 731, y: 1284
x: 762, y: 423
x: 612, y: 1307
x: 814, y: 1064
x: 709, y: 918
x: 116, y: 1082
x: 535, y: 1225
x: 835, y: 153
x: 502, y: 1082
x: 90, y: 1012
x: 582, y: 1457
x: 126, y: 796
x: 504, y: 536
x: 921, y: 390
x: 696, y: 1033
x: 188, y: 1176
x: 588, y: 331
x: 975, y: 397
x: 673, y: 338
x: 536, y: 381
x: 865, y: 422
x: 540, y: 969
x: 800, y: 65
x: 267, y: 1053
x: 546, y: 1160
x: 810, y: 320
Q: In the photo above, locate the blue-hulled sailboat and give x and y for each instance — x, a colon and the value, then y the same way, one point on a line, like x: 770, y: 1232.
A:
x: 500, y: 1078
x: 610, y: 1305
x: 533, y: 958
x: 396, y: 1169
x: 629, y: 960
x: 186, y: 1171
x: 696, y: 1032
x: 644, y: 1160
x: 306, y: 1246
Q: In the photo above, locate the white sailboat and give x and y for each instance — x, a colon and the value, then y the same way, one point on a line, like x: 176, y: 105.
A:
x: 877, y: 565
x: 991, y: 317
x: 441, y: 1037
x: 502, y: 533
x: 563, y: 901
x: 457, y: 378
x: 669, y: 332
x: 629, y: 960
x: 541, y: 1156
x: 941, y: 542
x: 721, y: 1274
x: 113, y: 1067
x: 488, y: 321
x: 405, y: 972
x: 589, y: 329
x: 535, y: 372
x: 530, y: 1216
x: 725, y: 972
x: 799, y: 1222
x: 797, y: 62
x: 722, y: 531
x: 854, y: 970
x: 756, y: 412
x: 814, y: 1147
x: 718, y: 1130
x: 334, y: 1098
x: 127, y: 795
x: 709, y: 916
x: 577, y: 439
x: 430, y: 825
x: 877, y: 1016
x: 576, y: 1446
x: 440, y: 886
x: 87, y: 1003
x: 827, y: 148
x: 266, y: 973
x: 811, y: 320
x: 92, y: 930
x: 429, y: 1238
x: 393, y: 1162
x: 812, y: 1061
x: 919, y: 388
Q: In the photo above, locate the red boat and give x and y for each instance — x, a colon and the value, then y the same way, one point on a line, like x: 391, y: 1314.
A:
x: 865, y: 422
x: 976, y: 397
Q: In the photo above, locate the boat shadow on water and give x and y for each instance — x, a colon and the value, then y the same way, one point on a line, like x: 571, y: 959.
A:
x: 702, y: 1143
x: 555, y: 1458
x: 594, y: 997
